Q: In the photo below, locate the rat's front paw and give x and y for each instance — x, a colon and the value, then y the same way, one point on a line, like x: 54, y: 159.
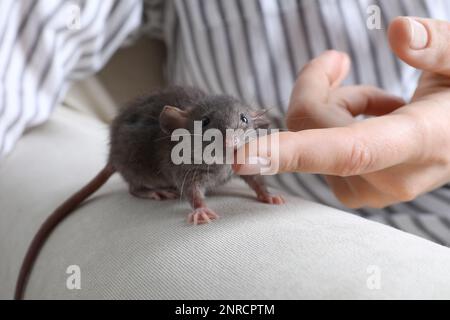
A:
x: 202, y: 215
x: 271, y: 199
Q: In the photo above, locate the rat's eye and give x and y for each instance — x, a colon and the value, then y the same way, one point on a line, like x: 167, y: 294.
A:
x: 205, y: 121
x: 244, y: 118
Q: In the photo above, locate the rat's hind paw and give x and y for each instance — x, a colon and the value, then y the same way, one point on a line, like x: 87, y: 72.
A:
x: 202, y: 215
x: 271, y: 199
x: 162, y: 195
x: 154, y: 194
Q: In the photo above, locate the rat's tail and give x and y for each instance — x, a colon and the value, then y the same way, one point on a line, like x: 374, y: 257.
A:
x: 52, y: 221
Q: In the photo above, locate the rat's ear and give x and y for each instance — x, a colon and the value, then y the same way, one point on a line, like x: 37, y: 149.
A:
x: 260, y: 120
x: 172, y: 118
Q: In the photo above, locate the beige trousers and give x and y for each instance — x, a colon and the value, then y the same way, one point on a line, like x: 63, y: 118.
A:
x: 117, y: 247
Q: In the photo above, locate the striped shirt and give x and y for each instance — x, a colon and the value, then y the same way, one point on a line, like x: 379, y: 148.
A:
x: 252, y: 49
x: 41, y: 53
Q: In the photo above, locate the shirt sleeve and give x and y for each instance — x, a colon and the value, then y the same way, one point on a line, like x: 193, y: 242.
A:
x: 47, y: 44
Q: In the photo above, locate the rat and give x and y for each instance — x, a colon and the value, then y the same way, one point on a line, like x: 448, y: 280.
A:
x: 140, y: 151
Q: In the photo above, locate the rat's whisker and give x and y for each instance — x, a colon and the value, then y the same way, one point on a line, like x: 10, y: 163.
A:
x: 193, y: 176
x: 182, y: 184
x: 262, y: 113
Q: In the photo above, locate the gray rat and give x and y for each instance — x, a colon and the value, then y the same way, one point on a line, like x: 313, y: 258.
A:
x: 140, y: 151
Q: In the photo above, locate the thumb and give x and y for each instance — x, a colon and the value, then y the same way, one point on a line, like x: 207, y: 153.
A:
x: 422, y: 43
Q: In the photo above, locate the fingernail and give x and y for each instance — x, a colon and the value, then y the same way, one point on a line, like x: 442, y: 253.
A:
x: 419, y: 35
x: 253, y: 165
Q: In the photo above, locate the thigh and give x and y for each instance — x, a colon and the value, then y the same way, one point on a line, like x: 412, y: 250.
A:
x: 124, y: 247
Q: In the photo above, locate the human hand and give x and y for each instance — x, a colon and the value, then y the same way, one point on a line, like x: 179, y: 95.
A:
x: 402, y: 152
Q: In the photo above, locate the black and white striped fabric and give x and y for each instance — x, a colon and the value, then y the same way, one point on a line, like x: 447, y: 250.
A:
x: 252, y: 49
x: 43, y: 49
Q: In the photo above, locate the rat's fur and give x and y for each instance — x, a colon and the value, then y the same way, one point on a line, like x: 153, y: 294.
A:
x: 141, y: 151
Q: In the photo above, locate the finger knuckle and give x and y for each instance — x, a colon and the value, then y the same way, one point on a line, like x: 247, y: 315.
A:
x: 359, y: 159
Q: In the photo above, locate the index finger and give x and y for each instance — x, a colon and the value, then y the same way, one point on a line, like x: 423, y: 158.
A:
x: 363, y: 147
